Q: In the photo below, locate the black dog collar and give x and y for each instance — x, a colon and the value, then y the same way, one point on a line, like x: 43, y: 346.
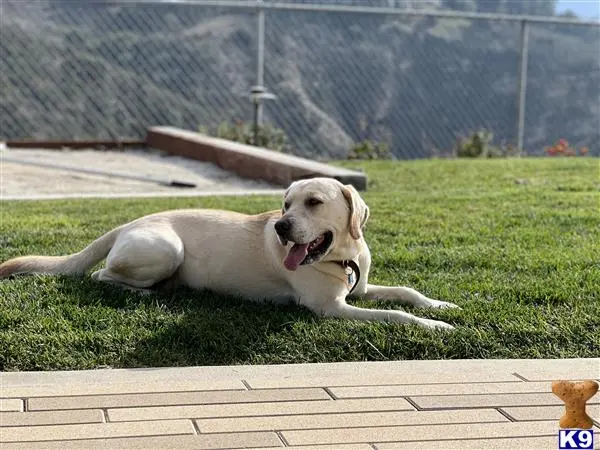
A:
x: 352, y: 273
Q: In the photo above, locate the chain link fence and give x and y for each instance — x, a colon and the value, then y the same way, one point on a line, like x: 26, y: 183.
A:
x: 108, y: 70
x: 563, y: 86
x: 415, y: 91
x: 75, y: 70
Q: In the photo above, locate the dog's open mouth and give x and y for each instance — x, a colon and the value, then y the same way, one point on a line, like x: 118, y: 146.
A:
x: 301, y: 254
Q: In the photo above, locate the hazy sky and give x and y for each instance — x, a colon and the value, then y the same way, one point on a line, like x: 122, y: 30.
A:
x: 586, y: 9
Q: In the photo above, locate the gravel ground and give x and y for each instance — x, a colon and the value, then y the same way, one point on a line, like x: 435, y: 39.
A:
x: 20, y: 181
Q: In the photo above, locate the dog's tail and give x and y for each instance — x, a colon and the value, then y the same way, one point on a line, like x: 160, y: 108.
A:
x: 69, y: 264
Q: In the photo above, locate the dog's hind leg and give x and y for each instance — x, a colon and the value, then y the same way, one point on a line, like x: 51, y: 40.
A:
x: 107, y: 276
x: 142, y: 258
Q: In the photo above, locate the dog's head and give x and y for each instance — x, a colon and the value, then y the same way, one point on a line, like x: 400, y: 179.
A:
x: 318, y: 215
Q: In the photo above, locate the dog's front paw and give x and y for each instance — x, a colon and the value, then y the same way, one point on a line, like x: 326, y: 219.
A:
x: 435, y: 324
x: 441, y: 305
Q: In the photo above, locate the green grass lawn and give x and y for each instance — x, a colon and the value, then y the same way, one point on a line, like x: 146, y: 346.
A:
x: 515, y: 243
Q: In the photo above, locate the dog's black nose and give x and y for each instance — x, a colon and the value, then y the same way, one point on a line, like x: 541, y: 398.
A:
x: 282, y: 227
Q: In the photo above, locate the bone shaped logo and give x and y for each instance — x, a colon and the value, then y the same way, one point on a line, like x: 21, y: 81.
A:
x: 575, y: 395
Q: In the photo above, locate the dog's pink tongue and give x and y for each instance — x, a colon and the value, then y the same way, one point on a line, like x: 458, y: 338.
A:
x: 296, y: 255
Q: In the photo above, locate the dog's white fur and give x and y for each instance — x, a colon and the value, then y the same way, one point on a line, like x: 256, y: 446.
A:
x: 235, y: 253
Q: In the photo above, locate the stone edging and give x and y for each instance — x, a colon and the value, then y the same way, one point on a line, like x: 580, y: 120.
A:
x: 245, y: 160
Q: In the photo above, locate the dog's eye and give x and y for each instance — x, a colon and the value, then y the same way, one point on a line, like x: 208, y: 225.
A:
x: 286, y: 206
x: 313, y: 202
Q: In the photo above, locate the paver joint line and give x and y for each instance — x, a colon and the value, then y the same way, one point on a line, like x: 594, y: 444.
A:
x: 281, y: 438
x: 465, y: 408
x: 507, y: 415
x: 429, y: 391
x: 520, y: 377
x: 414, y: 405
x: 331, y: 394
x: 152, y: 393
x: 484, y: 394
x: 517, y: 381
x: 191, y: 404
x: 346, y: 427
x: 195, y: 426
x: 102, y: 438
x: 195, y: 404
x: 249, y: 388
x: 491, y: 438
x: 258, y: 416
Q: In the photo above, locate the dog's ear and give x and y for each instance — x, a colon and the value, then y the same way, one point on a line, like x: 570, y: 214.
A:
x: 285, y: 194
x: 359, y: 211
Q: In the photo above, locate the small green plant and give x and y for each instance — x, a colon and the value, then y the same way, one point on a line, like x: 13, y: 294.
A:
x: 476, y: 145
x: 268, y: 136
x: 368, y: 149
x: 479, y: 145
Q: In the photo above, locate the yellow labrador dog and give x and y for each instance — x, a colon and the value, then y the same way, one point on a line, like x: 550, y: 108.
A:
x: 312, y: 252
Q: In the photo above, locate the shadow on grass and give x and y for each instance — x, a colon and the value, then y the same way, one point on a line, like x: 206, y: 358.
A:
x: 50, y: 323
x: 188, y: 327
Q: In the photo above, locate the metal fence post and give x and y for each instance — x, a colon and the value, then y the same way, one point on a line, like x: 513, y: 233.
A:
x: 522, y: 84
x: 260, y: 57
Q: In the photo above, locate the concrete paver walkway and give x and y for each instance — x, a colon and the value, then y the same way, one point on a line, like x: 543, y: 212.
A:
x: 458, y: 404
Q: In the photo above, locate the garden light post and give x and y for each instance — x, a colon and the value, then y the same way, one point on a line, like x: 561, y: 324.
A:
x: 257, y: 95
